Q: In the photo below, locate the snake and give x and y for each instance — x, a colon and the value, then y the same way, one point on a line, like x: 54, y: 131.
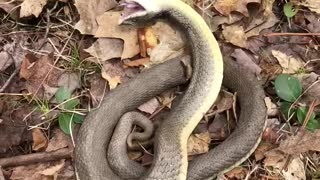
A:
x: 209, y: 72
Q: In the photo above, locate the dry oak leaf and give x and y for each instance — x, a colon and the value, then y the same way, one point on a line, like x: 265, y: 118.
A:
x: 109, y: 27
x: 225, y: 7
x: 104, y: 49
x: 32, y: 7
x: 302, y: 142
x: 89, y: 11
x: 235, y: 35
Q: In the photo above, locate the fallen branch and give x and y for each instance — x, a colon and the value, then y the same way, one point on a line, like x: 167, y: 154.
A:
x: 36, y: 158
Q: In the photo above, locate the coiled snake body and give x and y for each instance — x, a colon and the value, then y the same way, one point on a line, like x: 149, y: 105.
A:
x: 170, y: 159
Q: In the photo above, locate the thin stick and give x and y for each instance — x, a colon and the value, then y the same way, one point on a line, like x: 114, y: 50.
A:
x: 28, y: 159
x: 292, y: 34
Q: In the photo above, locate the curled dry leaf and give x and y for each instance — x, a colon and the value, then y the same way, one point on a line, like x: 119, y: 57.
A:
x: 89, y: 11
x: 40, y: 141
x: 198, y: 143
x: 104, y: 49
x: 225, y: 7
x: 109, y: 27
x: 32, y: 7
x: 289, y: 63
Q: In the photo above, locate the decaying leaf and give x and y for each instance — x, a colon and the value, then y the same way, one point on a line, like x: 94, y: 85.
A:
x: 302, y: 142
x: 234, y: 34
x: 58, y: 141
x: 97, y: 89
x: 109, y: 27
x: 104, y: 49
x: 295, y: 170
x: 225, y: 7
x: 40, y: 141
x: 261, y: 150
x: 40, y: 75
x: 312, y: 83
x: 32, y: 7
x: 5, y: 60
x: 198, y: 143
x: 89, y: 11
x: 53, y: 169
x: 69, y: 80
x: 289, y: 64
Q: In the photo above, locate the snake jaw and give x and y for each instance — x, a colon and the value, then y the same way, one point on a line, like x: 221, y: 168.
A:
x: 131, y: 10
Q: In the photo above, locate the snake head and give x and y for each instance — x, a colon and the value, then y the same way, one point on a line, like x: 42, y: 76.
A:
x: 138, y: 12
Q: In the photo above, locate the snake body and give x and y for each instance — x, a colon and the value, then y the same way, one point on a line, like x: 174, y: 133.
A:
x: 170, y: 159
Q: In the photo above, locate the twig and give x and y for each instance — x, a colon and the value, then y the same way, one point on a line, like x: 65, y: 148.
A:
x: 3, y: 88
x: 36, y: 158
x: 292, y: 34
x: 310, y: 111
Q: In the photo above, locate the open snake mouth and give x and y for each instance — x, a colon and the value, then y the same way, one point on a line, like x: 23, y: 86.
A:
x: 131, y: 9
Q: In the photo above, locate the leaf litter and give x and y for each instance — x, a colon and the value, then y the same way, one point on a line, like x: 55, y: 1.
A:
x: 257, y: 33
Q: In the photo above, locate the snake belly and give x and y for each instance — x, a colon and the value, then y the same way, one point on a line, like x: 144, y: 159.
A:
x: 170, y: 160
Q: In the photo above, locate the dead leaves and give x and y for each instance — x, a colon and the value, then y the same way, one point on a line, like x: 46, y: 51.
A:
x: 109, y: 27
x: 225, y: 7
x: 32, y: 7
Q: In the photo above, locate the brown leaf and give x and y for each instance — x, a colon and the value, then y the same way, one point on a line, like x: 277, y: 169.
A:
x: 275, y: 158
x: 234, y: 34
x: 310, y: 82
x: 53, y: 169
x: 261, y: 150
x: 97, y: 89
x: 302, y: 142
x: 289, y: 63
x: 313, y: 26
x: 109, y: 27
x: 33, y: 172
x: 113, y: 73
x: 150, y: 106
x: 237, y: 173
x: 32, y: 7
x: 225, y: 7
x: 35, y: 71
x: 167, y: 97
x: 104, y: 49
x: 58, y: 141
x: 198, y: 143
x: 171, y: 42
x: 40, y: 141
x: 89, y: 11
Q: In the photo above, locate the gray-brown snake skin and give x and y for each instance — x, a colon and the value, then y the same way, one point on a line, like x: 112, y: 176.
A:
x: 95, y: 133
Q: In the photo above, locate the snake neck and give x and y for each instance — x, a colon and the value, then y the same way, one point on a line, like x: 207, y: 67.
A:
x: 203, y: 88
